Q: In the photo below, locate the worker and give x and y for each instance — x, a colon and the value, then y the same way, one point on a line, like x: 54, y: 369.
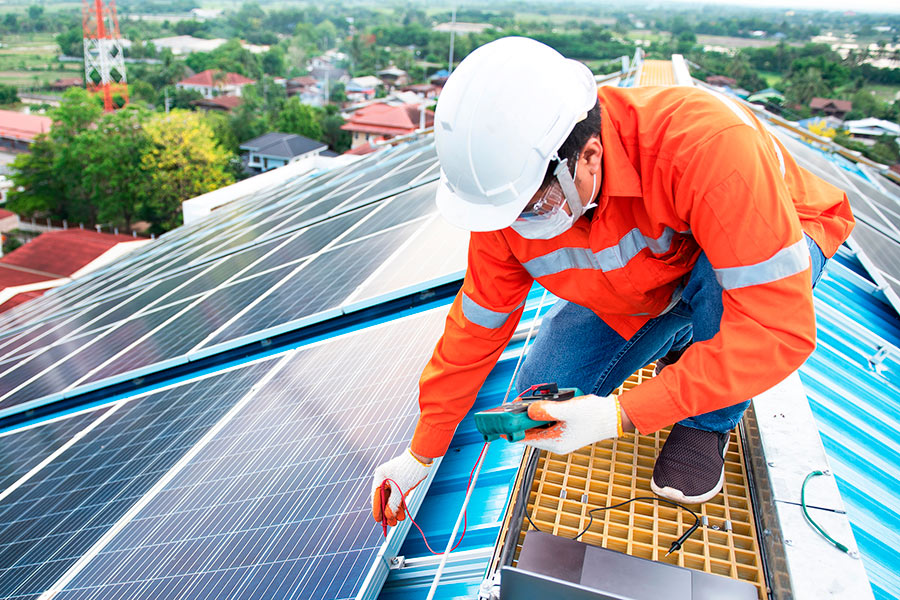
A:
x: 668, y: 221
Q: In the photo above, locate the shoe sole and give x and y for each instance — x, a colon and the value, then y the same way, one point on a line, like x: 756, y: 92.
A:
x: 678, y: 496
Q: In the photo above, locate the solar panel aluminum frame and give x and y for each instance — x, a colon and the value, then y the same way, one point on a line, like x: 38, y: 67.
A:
x: 885, y: 290
x: 387, y: 558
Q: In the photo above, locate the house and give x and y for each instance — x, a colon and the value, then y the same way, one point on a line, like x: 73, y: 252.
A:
x: 19, y: 130
x: 330, y: 74
x: 220, y: 103
x: 300, y: 85
x: 213, y: 82
x: 392, y: 76
x: 360, y: 89
x: 831, y: 107
x: 186, y: 44
x: 57, y: 257
x: 278, y: 149
x: 65, y: 83
x: 425, y: 91
x: 766, y: 95
x: 382, y: 121
x: 871, y: 129
x: 8, y: 219
x: 721, y: 81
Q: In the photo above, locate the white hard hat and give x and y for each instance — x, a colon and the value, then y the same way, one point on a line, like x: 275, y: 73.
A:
x: 501, y: 117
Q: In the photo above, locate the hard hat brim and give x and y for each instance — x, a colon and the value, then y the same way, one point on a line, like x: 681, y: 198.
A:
x: 462, y: 212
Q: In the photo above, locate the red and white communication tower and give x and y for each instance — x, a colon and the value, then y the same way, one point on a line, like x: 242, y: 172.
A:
x: 104, y: 61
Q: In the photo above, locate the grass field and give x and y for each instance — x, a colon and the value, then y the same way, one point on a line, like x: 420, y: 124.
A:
x: 29, y: 60
x: 885, y: 93
x: 771, y: 78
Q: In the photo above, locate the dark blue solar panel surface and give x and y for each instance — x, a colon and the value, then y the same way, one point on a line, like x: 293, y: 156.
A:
x: 202, y: 263
x: 54, y: 517
x: 22, y: 450
x: 276, y: 505
x: 304, y: 294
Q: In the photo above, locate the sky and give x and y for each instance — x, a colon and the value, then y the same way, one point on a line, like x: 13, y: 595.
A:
x: 884, y: 6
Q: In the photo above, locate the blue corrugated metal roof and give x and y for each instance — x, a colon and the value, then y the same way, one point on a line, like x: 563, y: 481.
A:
x: 856, y: 404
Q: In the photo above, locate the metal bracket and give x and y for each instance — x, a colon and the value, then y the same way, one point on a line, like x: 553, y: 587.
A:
x: 398, y: 562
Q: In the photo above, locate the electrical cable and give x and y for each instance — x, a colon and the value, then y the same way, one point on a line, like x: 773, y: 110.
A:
x: 675, y: 545
x: 815, y: 525
x: 409, y: 515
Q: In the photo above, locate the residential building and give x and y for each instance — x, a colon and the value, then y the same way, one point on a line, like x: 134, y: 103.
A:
x: 19, y: 130
x: 830, y: 107
x: 360, y: 89
x: 381, y: 121
x: 65, y: 83
x: 278, y: 149
x: 425, y: 91
x: 721, y: 81
x: 871, y: 129
x: 186, y: 44
x: 8, y: 219
x: 220, y: 103
x: 213, y: 82
x: 462, y: 28
x: 55, y: 258
x: 393, y: 77
x: 300, y: 85
x: 330, y: 74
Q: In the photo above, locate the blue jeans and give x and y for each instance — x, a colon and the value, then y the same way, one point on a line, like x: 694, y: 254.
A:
x: 575, y: 348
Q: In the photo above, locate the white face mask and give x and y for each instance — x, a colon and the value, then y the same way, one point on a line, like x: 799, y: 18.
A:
x: 558, y: 221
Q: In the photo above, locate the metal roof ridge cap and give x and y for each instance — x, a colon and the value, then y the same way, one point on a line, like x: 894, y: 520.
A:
x: 792, y: 447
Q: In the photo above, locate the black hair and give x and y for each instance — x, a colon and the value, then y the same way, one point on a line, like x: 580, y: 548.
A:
x: 574, y: 144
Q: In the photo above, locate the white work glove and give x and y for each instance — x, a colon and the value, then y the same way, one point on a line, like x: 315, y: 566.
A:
x: 405, y: 471
x: 580, y: 421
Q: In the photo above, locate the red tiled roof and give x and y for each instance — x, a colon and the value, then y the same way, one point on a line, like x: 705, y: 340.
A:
x: 207, y: 78
x: 843, y: 105
x: 6, y: 213
x: 60, y: 253
x: 361, y: 150
x: 20, y: 126
x: 20, y: 298
x: 386, y: 119
x: 226, y: 102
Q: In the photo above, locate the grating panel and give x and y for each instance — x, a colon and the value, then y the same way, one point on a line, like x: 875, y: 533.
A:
x: 657, y: 72
x: 566, y: 487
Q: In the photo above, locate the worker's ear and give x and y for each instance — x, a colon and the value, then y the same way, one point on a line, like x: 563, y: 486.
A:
x: 591, y: 155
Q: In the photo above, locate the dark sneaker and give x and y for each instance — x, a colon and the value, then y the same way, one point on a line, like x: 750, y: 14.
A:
x: 690, y: 467
x: 669, y: 359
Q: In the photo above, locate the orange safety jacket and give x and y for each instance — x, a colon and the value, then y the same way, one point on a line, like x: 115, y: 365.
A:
x: 685, y: 171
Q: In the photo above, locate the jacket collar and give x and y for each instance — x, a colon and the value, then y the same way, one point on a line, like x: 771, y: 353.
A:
x: 620, y: 178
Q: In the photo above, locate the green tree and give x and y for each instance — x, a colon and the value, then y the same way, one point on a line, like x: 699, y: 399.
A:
x: 115, y: 176
x: 273, y: 62
x: 332, y: 134
x: 71, y: 41
x: 8, y: 94
x: 803, y: 86
x: 183, y: 160
x: 299, y: 118
x: 50, y: 176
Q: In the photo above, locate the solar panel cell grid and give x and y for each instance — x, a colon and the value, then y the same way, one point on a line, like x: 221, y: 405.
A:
x: 24, y: 449
x: 275, y: 506
x: 48, y: 522
x: 345, y: 268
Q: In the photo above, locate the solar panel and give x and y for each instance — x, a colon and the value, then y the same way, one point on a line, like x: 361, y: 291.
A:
x: 296, y: 261
x: 881, y: 256
x: 276, y: 504
x: 22, y: 450
x: 47, y: 523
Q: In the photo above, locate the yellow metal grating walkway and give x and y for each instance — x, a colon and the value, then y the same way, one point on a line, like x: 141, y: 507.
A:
x: 657, y: 72
x: 566, y: 487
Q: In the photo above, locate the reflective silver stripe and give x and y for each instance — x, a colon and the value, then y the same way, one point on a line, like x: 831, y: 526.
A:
x: 485, y: 317
x: 786, y: 262
x: 608, y: 259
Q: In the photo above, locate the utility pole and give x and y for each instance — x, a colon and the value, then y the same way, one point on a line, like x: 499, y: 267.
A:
x: 104, y: 59
x: 166, y: 89
x: 452, y: 39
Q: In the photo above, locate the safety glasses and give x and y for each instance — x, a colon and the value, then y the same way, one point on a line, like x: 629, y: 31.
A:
x: 557, y: 190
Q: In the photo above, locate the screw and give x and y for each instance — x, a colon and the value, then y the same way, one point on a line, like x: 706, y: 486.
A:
x: 827, y: 472
x: 771, y: 463
x: 788, y: 542
x: 853, y: 554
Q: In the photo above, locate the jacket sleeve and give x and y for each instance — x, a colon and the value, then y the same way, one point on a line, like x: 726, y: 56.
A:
x: 733, y: 195
x: 481, y: 322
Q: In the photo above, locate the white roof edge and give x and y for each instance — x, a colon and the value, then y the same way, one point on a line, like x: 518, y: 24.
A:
x: 792, y: 448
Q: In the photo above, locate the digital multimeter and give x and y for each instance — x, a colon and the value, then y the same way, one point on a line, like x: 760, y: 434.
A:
x: 511, y: 419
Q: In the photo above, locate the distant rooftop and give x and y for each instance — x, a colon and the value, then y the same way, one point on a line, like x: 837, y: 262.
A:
x: 21, y: 126
x: 282, y: 145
